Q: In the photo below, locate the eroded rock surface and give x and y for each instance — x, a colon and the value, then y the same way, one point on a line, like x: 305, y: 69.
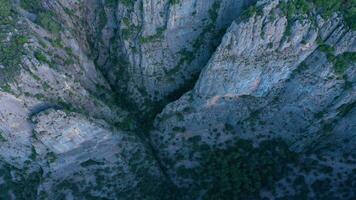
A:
x: 258, y: 100
x: 264, y: 86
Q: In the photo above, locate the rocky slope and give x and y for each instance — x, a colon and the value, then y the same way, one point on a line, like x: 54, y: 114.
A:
x: 160, y: 46
x: 61, y: 130
x: 272, y: 80
x: 258, y: 99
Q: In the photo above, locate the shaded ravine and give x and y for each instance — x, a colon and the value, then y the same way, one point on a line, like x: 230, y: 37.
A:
x: 144, y: 122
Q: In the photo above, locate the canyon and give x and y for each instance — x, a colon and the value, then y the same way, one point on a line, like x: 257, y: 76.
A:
x: 177, y: 99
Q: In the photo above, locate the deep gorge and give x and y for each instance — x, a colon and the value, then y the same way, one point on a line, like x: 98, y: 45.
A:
x: 183, y: 99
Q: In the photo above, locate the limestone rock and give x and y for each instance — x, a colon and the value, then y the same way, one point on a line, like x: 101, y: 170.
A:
x: 263, y: 84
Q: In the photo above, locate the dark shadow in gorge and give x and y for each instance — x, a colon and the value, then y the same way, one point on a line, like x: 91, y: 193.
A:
x: 144, y: 120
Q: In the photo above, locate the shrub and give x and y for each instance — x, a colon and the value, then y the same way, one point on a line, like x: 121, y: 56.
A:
x: 350, y: 17
x: 251, y: 11
x: 41, y: 57
x: 179, y: 129
x: 2, y: 138
x: 343, y: 61
x: 346, y: 7
x: 5, y: 8
x: 240, y: 172
x: 128, y: 3
x: 111, y: 2
x: 33, y: 6
x: 173, y: 2
x: 10, y: 57
x: 46, y: 20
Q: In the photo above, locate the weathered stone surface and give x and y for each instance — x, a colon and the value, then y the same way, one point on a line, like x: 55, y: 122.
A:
x: 83, y: 156
x: 271, y: 115
x: 58, y: 116
x: 161, y: 45
x: 263, y: 84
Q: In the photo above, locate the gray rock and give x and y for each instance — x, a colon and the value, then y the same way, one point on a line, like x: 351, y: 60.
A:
x: 261, y: 102
x: 264, y: 85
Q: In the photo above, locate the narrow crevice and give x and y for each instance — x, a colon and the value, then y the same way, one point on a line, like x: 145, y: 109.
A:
x: 145, y: 120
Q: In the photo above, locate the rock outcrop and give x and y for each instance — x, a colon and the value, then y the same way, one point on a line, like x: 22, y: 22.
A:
x: 258, y: 99
x: 271, y: 81
x: 61, y: 130
x: 160, y: 46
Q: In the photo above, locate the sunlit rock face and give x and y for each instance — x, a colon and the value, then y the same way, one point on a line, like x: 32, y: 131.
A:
x: 107, y: 160
x: 269, y: 80
x: 67, y: 132
x: 161, y: 46
x: 61, y: 129
x: 177, y: 99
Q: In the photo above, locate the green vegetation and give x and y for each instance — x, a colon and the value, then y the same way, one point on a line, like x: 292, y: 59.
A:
x: 103, y: 20
x: 45, y: 18
x: 57, y: 43
x: 2, y: 138
x: 17, y: 183
x: 47, y: 21
x: 11, y: 48
x: 188, y: 55
x: 6, y: 88
x: 127, y: 124
x: 179, y: 129
x: 41, y: 57
x: 158, y: 35
x: 251, y: 11
x: 111, y: 2
x: 340, y: 62
x: 5, y: 8
x: 33, y: 155
x: 326, y: 48
x: 343, y: 61
x: 213, y: 16
x: 90, y: 162
x: 346, y: 7
x: 128, y: 3
x: 174, y: 2
x: 241, y: 171
x: 130, y: 30
x: 214, y: 12
x: 33, y: 6
x: 325, y: 8
x: 228, y: 127
x: 51, y: 157
x: 350, y: 14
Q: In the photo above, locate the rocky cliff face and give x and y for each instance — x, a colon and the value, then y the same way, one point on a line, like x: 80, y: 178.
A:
x: 59, y: 130
x: 271, y: 81
x: 162, y: 45
x: 258, y: 99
